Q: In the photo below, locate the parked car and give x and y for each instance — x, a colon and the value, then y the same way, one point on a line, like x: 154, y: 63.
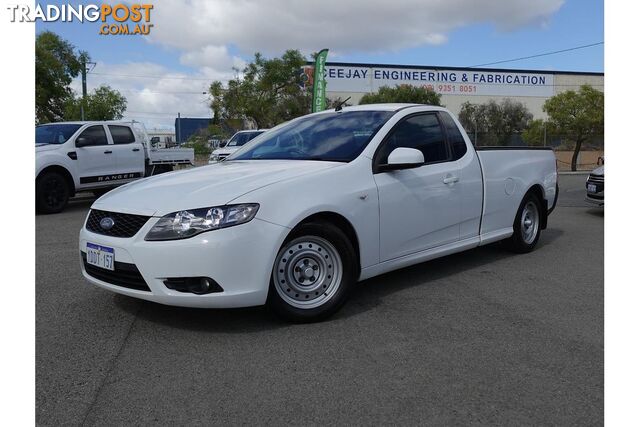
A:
x: 235, y: 142
x: 295, y: 218
x: 595, y: 186
x: 95, y: 156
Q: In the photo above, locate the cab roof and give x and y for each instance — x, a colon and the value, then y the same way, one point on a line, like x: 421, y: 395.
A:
x: 385, y: 107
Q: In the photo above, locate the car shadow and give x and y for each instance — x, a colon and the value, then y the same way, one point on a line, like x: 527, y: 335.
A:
x: 599, y: 212
x: 366, y: 295
x: 370, y: 293
x: 230, y: 320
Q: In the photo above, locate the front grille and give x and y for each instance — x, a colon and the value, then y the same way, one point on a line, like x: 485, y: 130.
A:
x: 222, y: 156
x: 124, y: 225
x: 125, y: 275
x: 596, y: 178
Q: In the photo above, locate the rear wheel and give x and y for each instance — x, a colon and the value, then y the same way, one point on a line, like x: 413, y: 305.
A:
x: 313, y: 273
x: 52, y: 193
x: 526, y: 227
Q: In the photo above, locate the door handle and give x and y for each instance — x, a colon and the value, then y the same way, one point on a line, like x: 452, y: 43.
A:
x: 450, y: 179
x: 136, y: 149
x: 108, y: 152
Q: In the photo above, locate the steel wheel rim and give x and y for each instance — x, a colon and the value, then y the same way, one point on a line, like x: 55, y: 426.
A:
x: 529, y: 222
x: 307, y: 272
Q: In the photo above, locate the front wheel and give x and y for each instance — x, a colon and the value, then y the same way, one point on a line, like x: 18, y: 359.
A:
x: 313, y: 273
x: 526, y: 227
x: 52, y: 193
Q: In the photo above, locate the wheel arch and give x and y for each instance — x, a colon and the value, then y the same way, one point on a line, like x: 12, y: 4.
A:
x: 342, y: 223
x: 64, y: 172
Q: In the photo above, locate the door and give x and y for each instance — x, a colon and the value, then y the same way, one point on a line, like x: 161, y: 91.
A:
x: 469, y: 177
x: 130, y: 161
x: 419, y: 207
x: 95, y: 157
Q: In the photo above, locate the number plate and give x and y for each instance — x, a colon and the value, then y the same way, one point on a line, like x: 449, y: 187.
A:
x: 100, y: 256
x: 591, y: 188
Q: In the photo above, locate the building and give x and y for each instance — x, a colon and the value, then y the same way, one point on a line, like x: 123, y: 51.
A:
x: 456, y: 84
x: 187, y: 126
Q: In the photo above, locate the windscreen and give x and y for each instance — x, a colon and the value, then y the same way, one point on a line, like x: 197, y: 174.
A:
x: 239, y: 139
x: 55, y: 134
x: 335, y: 136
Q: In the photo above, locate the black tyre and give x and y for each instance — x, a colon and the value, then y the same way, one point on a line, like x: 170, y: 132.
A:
x: 313, y: 273
x: 527, y: 225
x: 52, y: 193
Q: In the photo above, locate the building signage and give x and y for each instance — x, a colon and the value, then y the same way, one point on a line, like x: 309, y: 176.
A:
x: 447, y: 82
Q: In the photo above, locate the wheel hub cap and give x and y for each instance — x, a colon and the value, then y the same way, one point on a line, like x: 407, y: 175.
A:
x: 308, y: 272
x: 530, y: 222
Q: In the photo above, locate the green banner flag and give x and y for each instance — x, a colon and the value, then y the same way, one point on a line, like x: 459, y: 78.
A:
x: 319, y: 84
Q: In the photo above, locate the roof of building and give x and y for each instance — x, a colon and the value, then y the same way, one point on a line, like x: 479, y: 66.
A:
x: 439, y: 67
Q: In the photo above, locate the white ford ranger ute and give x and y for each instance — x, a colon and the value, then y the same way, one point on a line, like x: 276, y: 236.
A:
x: 301, y: 213
x: 95, y: 156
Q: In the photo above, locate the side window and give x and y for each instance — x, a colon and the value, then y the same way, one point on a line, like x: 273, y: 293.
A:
x: 458, y: 145
x: 95, y: 135
x: 422, y: 132
x: 121, y: 134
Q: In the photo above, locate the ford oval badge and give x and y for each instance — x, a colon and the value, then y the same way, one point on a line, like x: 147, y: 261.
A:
x: 106, y: 223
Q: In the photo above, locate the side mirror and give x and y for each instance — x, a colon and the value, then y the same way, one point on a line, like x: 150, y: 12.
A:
x: 403, y: 158
x: 82, y: 142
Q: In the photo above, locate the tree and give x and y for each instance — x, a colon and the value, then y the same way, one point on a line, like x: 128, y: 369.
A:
x: 497, y: 122
x: 103, y: 104
x: 534, y: 134
x: 269, y: 92
x: 577, y: 115
x: 402, y: 93
x: 56, y: 65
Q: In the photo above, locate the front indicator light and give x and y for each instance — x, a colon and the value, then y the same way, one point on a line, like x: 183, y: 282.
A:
x: 188, y: 223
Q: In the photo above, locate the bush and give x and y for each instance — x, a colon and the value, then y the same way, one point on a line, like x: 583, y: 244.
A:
x: 200, y: 148
x: 402, y: 93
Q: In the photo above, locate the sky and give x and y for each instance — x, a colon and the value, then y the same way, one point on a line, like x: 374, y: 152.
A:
x: 194, y: 42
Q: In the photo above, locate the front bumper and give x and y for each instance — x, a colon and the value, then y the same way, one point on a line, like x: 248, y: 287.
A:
x: 595, y: 197
x: 239, y: 259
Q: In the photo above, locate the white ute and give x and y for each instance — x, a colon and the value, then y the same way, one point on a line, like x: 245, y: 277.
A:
x: 95, y: 156
x: 297, y: 216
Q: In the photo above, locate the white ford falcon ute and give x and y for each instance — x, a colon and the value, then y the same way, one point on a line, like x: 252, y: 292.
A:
x: 301, y: 213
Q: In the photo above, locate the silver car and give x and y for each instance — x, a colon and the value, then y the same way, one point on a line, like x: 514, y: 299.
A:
x: 595, y: 187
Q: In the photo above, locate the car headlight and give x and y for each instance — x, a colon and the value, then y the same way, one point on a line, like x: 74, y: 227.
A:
x: 214, y: 157
x: 188, y: 223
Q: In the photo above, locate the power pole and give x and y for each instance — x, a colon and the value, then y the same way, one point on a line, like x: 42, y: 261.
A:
x: 84, y: 87
x: 83, y: 72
